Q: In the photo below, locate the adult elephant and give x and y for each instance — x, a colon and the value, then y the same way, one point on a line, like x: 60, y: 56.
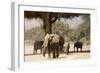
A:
x: 78, y: 45
x: 51, y: 44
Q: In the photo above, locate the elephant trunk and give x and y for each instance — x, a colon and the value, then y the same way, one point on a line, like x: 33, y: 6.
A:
x: 44, y: 54
x: 44, y: 51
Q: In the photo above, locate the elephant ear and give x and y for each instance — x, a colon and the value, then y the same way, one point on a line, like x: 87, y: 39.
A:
x: 55, y: 38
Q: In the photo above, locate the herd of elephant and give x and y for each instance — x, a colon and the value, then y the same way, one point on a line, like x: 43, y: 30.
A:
x: 54, y: 44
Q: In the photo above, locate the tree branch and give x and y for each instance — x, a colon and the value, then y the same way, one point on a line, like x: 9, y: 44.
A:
x: 54, y: 19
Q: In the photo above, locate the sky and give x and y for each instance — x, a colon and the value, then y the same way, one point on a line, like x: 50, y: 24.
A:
x: 34, y: 22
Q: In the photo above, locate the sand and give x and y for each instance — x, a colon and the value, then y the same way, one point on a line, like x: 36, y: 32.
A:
x: 29, y: 57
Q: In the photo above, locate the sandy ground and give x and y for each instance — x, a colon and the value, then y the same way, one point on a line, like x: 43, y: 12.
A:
x: 29, y: 57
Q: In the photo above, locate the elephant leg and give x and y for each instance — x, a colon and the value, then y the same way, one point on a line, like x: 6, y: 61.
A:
x: 77, y: 49
x: 43, y: 54
x: 57, y: 52
x: 81, y: 49
x: 74, y: 49
x: 36, y: 51
x: 67, y: 51
x: 44, y: 51
x: 54, y: 53
x: 41, y: 50
x: 33, y: 50
x: 61, y: 49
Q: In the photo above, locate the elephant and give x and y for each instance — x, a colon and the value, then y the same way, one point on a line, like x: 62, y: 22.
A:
x: 37, y: 46
x: 51, y: 44
x: 67, y: 47
x: 78, y: 45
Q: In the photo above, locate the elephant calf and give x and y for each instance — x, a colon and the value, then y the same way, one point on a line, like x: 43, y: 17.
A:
x: 78, y: 45
x: 37, y: 46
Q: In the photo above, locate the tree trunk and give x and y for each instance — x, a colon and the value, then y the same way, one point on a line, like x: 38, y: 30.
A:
x: 47, y: 23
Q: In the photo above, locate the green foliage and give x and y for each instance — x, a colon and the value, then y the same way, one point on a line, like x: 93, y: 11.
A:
x: 58, y: 26
x: 35, y: 33
x: 82, y: 31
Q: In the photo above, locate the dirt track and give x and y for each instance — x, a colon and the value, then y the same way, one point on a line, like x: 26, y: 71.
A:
x: 29, y: 57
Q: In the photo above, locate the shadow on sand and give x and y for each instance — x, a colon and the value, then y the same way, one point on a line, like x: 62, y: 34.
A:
x: 85, y: 51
